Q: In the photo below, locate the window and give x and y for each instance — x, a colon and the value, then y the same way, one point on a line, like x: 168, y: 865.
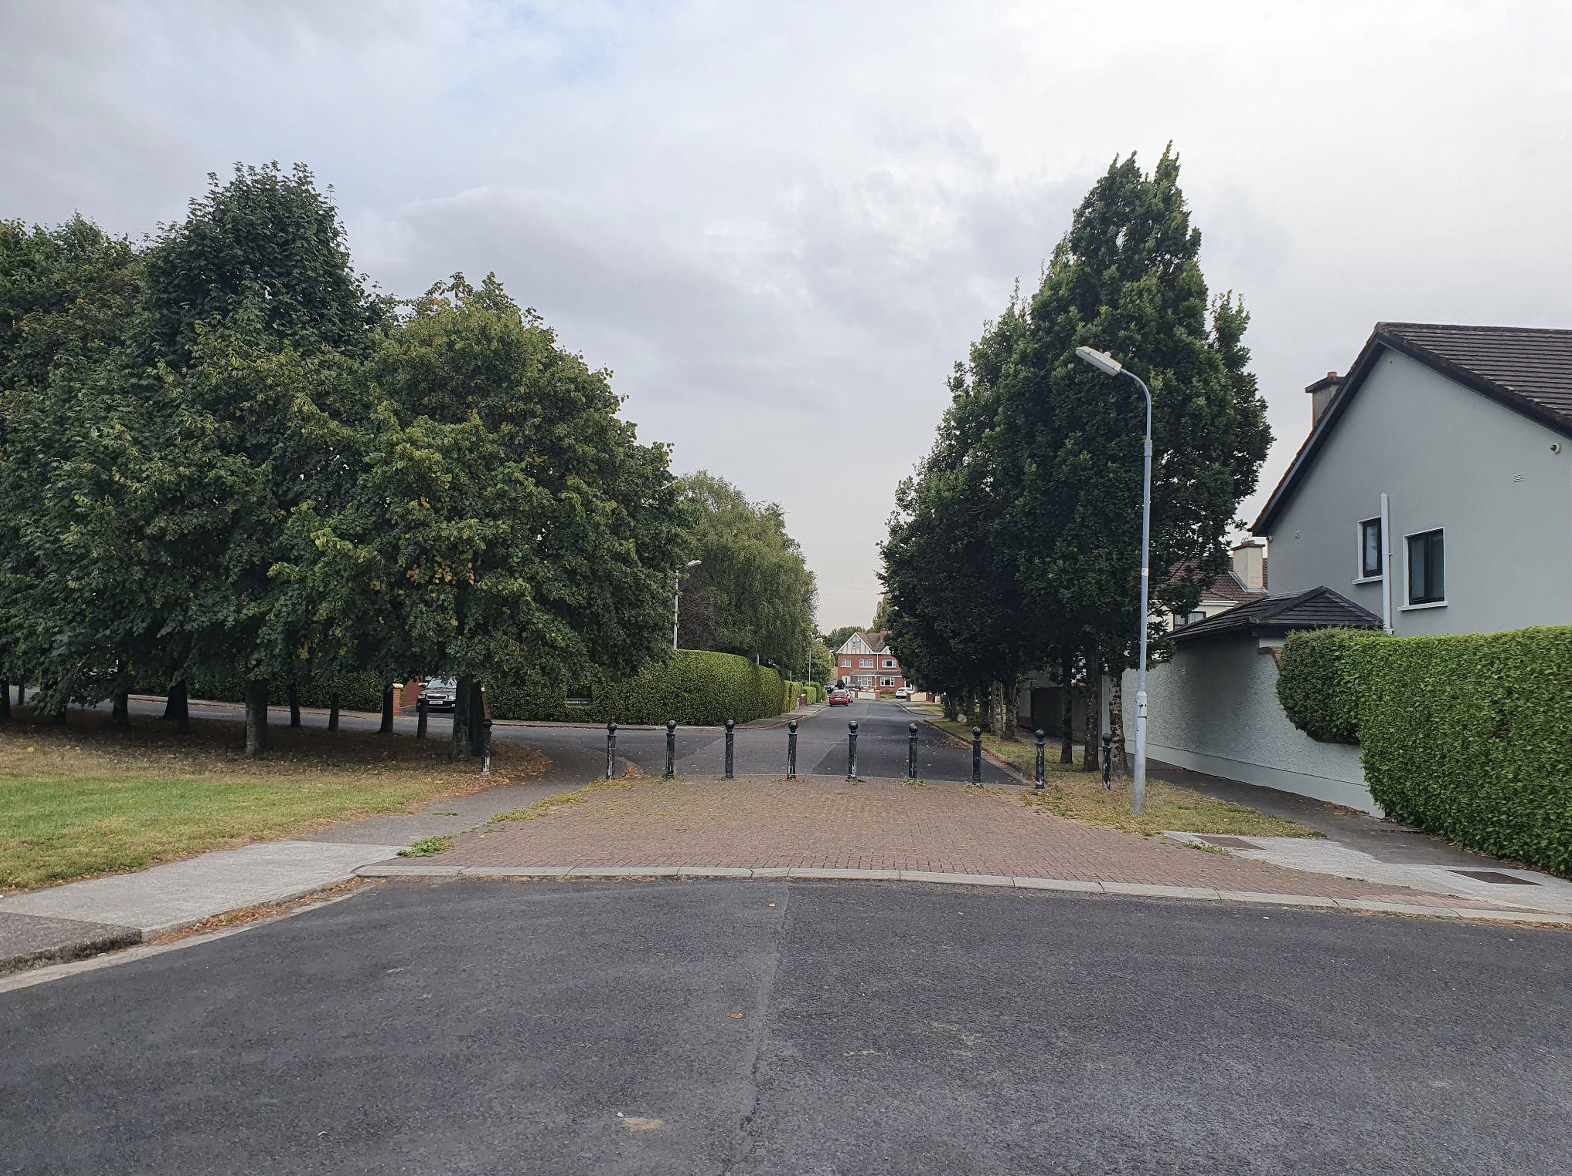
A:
x: 889, y: 663
x: 1369, y: 549
x: 1426, y: 568
x: 1190, y: 618
x: 886, y: 681
x: 867, y: 663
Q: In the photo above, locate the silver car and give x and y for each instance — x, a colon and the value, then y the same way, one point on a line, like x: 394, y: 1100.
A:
x: 439, y: 694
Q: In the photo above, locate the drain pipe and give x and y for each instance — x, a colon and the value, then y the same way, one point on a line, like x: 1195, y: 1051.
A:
x: 1386, y: 564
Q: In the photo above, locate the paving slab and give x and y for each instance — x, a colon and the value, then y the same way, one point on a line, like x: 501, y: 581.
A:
x: 28, y: 940
x: 174, y: 896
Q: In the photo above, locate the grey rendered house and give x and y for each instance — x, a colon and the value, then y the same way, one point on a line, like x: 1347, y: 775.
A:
x: 1433, y: 495
x: 1435, y: 488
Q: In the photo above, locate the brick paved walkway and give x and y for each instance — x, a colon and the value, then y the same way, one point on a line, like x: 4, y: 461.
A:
x: 879, y: 825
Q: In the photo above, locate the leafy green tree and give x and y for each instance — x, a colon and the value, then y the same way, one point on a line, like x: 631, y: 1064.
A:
x: 759, y: 586
x: 836, y: 638
x: 506, y: 523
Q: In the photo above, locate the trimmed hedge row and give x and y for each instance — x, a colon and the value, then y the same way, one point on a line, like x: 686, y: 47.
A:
x: 1315, y: 687
x: 695, y: 687
x: 1467, y: 736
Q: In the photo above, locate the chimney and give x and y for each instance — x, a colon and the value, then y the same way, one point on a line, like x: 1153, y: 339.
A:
x: 1321, y: 393
x: 1249, y: 562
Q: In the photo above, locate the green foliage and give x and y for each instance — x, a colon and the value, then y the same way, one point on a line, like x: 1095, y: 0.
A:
x: 1316, y: 684
x: 1018, y: 541
x: 752, y: 574
x: 1467, y: 737
x: 694, y: 687
x: 356, y: 691
x: 1463, y: 736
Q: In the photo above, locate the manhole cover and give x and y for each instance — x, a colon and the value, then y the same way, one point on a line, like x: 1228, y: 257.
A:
x: 1232, y: 842
x: 1497, y: 877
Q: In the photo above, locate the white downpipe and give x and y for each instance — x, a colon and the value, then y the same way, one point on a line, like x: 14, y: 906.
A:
x: 1386, y: 564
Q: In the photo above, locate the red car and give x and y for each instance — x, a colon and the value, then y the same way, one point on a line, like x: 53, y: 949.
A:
x: 840, y: 698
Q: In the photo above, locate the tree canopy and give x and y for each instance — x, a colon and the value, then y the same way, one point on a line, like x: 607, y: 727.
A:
x: 225, y: 456
x: 1016, y: 545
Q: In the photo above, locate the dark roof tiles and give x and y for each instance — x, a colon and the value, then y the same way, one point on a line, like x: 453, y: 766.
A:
x: 1275, y: 616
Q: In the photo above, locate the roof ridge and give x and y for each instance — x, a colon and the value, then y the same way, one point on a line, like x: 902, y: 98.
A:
x: 1473, y: 328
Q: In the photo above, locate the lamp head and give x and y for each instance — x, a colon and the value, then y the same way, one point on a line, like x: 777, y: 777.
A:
x: 693, y: 563
x: 1100, y: 360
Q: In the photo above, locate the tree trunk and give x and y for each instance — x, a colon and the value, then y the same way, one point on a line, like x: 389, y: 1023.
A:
x: 1009, y: 703
x: 120, y: 716
x: 459, y: 748
x: 1066, y: 709
x: 21, y: 694
x: 386, y: 728
x: 169, y: 700
x: 952, y: 707
x: 996, y: 709
x: 1121, y: 759
x: 256, y: 718
x: 332, y: 712
x: 182, y: 709
x: 1094, y: 686
x: 294, y: 705
x: 477, y: 720
x: 5, y: 703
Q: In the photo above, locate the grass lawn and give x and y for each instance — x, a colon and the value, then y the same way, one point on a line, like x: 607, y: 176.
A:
x: 1070, y: 792
x: 88, y: 799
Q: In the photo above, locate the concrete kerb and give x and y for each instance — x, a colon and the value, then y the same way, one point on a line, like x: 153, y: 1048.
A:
x: 940, y: 877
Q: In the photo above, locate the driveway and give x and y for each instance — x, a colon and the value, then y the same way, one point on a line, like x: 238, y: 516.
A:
x: 775, y: 1027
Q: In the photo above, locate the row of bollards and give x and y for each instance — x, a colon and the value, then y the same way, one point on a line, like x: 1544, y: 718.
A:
x: 851, y: 752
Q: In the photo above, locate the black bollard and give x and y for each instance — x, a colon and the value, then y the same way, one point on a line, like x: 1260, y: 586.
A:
x: 791, y: 750
x: 420, y: 722
x: 611, y: 748
x: 1107, y: 762
x: 1040, y: 738
x: 851, y: 750
x: 976, y: 755
x: 485, y: 747
x: 911, y: 752
x: 671, y: 748
x: 731, y: 748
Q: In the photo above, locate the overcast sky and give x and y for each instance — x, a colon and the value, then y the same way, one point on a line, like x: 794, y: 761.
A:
x: 781, y: 223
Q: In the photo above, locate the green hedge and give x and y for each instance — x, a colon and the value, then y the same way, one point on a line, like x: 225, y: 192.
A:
x: 694, y: 687
x: 356, y: 691
x: 1467, y: 736
x: 1315, y: 684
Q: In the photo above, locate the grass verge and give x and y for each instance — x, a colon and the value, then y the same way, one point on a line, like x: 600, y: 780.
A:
x: 88, y: 799
x: 1070, y: 792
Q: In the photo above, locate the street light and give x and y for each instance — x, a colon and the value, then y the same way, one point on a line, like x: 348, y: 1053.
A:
x: 1110, y: 366
x: 676, y: 599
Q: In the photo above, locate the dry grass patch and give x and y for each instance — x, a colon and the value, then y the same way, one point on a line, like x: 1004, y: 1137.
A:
x: 87, y: 799
x: 1070, y: 792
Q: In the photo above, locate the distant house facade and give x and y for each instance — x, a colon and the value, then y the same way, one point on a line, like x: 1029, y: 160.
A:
x: 865, y: 661
x: 1435, y: 487
x: 1242, y: 581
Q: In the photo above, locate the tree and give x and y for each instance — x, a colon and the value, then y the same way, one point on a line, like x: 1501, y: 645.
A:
x: 505, y: 521
x: 836, y: 638
x: 755, y: 578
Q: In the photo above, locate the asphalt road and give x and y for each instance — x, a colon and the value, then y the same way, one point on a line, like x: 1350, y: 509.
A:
x: 751, y: 1028
x: 883, y: 732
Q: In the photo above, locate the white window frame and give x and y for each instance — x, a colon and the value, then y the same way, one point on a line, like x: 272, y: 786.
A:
x: 1407, y: 606
x: 1359, y: 551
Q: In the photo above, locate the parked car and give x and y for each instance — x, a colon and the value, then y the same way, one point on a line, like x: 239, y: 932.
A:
x: 840, y: 697
x: 903, y: 692
x: 439, y: 694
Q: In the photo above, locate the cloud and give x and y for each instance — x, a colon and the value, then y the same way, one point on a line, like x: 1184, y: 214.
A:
x: 780, y: 225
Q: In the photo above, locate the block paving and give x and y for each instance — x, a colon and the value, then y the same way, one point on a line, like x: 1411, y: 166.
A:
x: 829, y: 823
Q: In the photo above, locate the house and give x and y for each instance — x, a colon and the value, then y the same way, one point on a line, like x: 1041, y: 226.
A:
x: 1435, y: 487
x: 866, y: 661
x: 1243, y: 580
x: 1432, y: 495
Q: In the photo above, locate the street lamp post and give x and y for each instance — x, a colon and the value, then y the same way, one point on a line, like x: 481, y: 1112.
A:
x: 1108, y: 365
x: 676, y: 599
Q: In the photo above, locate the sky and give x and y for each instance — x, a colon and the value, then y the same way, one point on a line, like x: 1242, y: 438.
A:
x: 780, y: 224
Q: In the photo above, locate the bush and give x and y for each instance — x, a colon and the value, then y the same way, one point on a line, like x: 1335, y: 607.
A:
x: 356, y: 691
x: 1315, y: 682
x: 694, y: 687
x: 1468, y: 737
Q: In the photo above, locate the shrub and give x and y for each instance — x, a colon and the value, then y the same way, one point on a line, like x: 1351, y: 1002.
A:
x: 694, y: 687
x: 1468, y: 737
x: 1315, y: 683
